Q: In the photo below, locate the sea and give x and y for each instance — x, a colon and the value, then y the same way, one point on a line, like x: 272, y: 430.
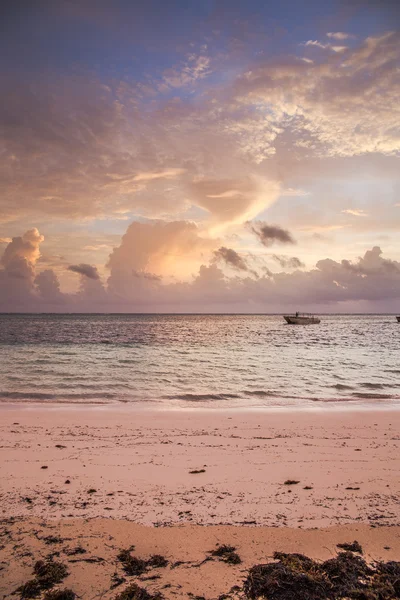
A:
x: 199, y: 361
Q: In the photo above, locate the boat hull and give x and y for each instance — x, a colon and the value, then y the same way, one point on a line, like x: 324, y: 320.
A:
x: 398, y: 319
x: 292, y: 320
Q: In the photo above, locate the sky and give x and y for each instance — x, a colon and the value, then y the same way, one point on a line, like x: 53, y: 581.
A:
x: 200, y: 156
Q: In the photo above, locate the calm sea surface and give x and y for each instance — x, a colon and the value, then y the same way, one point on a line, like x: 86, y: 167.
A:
x: 193, y: 360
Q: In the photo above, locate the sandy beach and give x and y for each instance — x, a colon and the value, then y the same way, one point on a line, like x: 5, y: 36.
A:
x: 109, y: 478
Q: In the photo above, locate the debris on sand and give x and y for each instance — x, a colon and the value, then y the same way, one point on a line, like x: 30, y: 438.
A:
x: 297, y: 577
x: 197, y: 471
x: 227, y: 554
x: 157, y: 561
x: 47, y: 574
x: 351, y: 547
x: 135, y: 592
x: 291, y: 482
x: 134, y: 566
x: 60, y: 595
x: 131, y: 564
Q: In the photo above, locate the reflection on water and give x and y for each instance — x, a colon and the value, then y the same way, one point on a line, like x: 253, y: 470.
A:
x: 198, y: 360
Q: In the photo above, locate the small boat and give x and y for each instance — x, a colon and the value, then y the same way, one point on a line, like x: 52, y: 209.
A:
x: 301, y: 319
x: 398, y: 319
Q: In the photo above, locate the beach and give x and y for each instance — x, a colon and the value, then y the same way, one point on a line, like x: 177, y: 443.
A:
x: 179, y: 482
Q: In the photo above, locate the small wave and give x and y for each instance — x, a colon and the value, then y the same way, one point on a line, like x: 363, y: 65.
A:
x: 259, y: 393
x: 373, y: 386
x: 202, y: 397
x: 58, y: 397
x: 366, y: 396
x: 342, y: 386
x: 395, y: 371
x: 129, y: 361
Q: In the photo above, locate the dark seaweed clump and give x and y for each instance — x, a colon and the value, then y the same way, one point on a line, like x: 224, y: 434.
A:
x: 47, y: 574
x: 135, y: 592
x: 353, y: 547
x: 297, y: 577
x: 227, y: 554
x: 60, y: 595
x: 157, y: 560
x: 134, y: 566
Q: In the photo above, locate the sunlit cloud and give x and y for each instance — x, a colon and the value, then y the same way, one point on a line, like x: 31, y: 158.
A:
x: 356, y: 212
x: 340, y: 35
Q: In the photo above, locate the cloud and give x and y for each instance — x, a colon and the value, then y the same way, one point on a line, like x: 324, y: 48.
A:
x: 231, y: 258
x: 156, y: 248
x: 85, y: 270
x: 339, y: 35
x: 288, y: 262
x: 48, y: 287
x: 188, y: 73
x: 234, y: 200
x: 81, y: 147
x: 270, y: 234
x: 372, y: 282
x: 341, y: 106
x: 356, y: 212
x: 21, y: 254
x: 145, y: 275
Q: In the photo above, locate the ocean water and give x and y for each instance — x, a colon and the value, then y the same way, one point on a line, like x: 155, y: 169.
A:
x: 199, y: 360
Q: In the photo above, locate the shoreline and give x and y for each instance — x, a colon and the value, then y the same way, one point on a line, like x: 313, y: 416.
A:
x: 317, y: 407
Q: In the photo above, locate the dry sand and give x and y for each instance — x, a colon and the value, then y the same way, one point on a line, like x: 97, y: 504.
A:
x: 134, y: 466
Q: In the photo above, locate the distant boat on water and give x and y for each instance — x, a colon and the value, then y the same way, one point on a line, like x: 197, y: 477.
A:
x: 398, y: 319
x: 301, y: 319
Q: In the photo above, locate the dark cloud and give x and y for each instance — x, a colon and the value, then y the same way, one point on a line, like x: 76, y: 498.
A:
x: 85, y: 270
x: 271, y: 234
x: 287, y: 261
x: 231, y: 258
x: 146, y: 275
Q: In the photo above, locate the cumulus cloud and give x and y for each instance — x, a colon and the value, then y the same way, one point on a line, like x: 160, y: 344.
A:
x: 270, y: 234
x: 86, y: 270
x: 156, y: 248
x: 48, y: 287
x: 372, y: 281
x: 21, y: 254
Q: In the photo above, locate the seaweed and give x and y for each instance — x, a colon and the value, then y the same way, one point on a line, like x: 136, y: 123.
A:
x: 197, y: 471
x: 52, y: 539
x: 137, y: 566
x: 291, y: 482
x: 227, y: 554
x: 157, y: 561
x: 297, y: 577
x: 351, y: 547
x: 30, y: 589
x: 47, y: 574
x: 135, y: 592
x: 60, y: 595
x: 131, y: 564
